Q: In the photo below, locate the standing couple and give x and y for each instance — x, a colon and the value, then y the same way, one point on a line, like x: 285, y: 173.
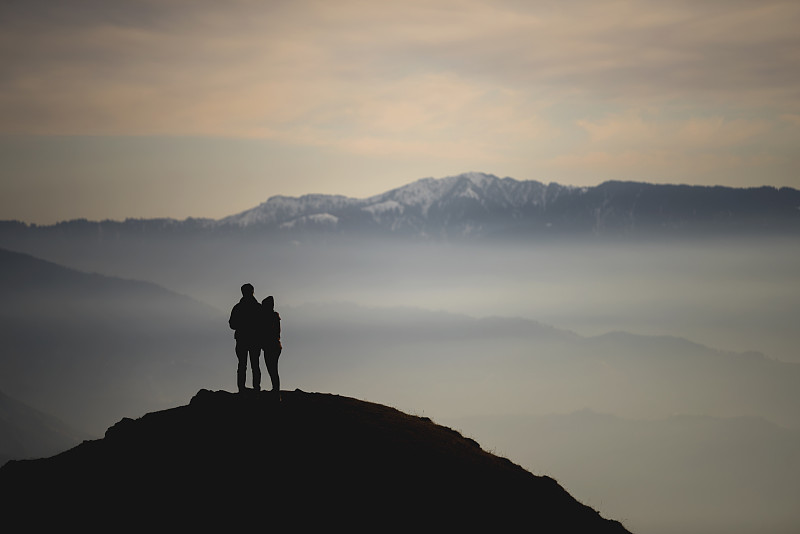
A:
x: 257, y: 326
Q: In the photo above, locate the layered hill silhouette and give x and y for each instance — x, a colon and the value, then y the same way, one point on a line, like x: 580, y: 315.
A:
x: 311, y: 461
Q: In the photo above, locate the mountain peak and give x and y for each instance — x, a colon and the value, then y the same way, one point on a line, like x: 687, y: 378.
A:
x: 311, y: 461
x: 425, y: 191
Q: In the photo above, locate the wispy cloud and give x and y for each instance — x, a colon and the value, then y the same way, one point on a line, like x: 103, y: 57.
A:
x: 149, y: 67
x: 636, y: 130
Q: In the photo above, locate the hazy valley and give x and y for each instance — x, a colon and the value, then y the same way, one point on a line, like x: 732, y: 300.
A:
x: 682, y: 345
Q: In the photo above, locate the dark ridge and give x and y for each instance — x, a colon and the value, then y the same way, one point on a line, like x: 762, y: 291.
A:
x: 312, y: 461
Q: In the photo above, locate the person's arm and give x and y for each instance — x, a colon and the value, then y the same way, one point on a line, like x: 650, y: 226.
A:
x: 233, y: 322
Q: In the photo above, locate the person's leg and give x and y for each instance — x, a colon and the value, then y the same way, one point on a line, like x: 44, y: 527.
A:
x: 255, y: 354
x: 271, y: 357
x: 241, y: 369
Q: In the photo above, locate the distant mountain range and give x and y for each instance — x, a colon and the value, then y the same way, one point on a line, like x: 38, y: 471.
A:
x: 312, y: 462
x: 478, y: 205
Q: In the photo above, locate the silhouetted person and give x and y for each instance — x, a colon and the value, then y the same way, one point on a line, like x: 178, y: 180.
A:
x: 246, y: 321
x: 271, y: 341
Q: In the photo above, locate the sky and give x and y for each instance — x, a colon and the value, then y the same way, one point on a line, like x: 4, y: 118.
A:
x: 205, y: 108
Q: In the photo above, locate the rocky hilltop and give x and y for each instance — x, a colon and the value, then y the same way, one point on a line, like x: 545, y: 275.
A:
x: 311, y: 461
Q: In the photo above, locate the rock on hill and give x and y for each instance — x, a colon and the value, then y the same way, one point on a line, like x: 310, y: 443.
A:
x: 312, y: 461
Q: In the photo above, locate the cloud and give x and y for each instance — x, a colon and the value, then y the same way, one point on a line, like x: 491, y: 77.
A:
x: 478, y: 79
x: 650, y: 145
x: 792, y: 119
x: 657, y: 163
x: 636, y: 130
x: 660, y: 165
x: 191, y: 54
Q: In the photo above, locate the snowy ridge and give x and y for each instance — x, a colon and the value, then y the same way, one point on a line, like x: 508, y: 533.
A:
x: 480, y: 204
x: 281, y: 209
x: 319, y: 219
x: 426, y: 207
x: 426, y: 192
x: 421, y: 194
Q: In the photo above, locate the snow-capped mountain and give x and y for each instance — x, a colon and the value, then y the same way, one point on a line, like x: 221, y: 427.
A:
x: 477, y: 204
x: 467, y: 204
x: 280, y: 210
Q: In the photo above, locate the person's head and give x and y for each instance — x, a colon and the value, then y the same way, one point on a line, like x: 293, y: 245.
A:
x: 248, y: 290
x: 269, y: 302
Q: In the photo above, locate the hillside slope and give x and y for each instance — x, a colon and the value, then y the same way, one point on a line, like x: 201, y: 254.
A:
x: 311, y: 461
x: 29, y: 433
x: 69, y: 337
